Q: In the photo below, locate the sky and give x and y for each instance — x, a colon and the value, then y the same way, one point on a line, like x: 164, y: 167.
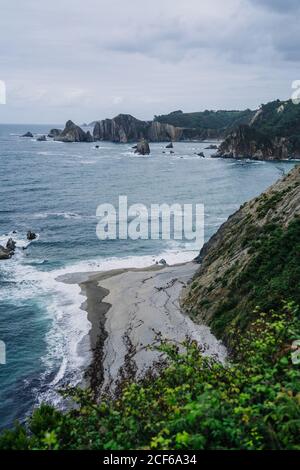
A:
x: 92, y: 59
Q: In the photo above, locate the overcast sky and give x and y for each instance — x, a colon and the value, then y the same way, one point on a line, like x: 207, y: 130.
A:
x: 93, y: 59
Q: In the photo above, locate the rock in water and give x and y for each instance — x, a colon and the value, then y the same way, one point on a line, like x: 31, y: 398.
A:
x: 163, y: 262
x: 42, y: 138
x: 54, y: 133
x: 169, y: 146
x: 5, y: 253
x: 73, y: 133
x: 142, y: 148
x: 28, y: 134
x: 11, y: 245
x: 31, y: 235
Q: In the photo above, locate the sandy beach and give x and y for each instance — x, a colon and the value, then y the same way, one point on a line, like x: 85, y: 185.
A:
x: 126, y: 309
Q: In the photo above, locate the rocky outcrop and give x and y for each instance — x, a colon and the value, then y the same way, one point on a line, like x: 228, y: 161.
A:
x: 73, y: 133
x: 126, y: 128
x: 247, y: 142
x: 54, y: 133
x: 142, y: 148
x: 28, y: 134
x: 123, y: 128
x: 11, y: 244
x: 272, y: 134
x: 31, y: 235
x: 8, y: 251
x: 42, y: 138
x: 5, y: 253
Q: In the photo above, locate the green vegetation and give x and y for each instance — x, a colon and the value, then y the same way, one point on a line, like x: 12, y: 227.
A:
x: 195, y: 402
x: 271, y: 275
x: 279, y: 118
x: 206, y: 119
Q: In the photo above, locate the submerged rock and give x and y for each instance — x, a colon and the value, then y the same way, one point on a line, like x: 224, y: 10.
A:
x: 142, y: 148
x: 42, y: 138
x: 28, y: 134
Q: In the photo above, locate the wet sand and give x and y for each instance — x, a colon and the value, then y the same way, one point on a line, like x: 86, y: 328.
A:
x: 127, y: 308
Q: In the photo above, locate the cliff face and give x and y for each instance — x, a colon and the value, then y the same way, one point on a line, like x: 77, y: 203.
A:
x: 253, y: 260
x: 273, y: 133
x: 73, y: 133
x: 126, y: 128
x: 247, y: 142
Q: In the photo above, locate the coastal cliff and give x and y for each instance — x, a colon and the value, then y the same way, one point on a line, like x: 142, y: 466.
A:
x: 252, y: 261
x: 273, y: 133
x: 126, y: 128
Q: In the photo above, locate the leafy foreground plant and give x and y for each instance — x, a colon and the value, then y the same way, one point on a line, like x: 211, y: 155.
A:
x: 195, y: 402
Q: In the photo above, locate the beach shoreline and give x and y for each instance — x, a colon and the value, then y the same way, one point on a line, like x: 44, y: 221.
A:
x: 127, y: 308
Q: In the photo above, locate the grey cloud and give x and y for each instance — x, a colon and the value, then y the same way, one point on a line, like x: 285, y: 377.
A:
x: 278, y: 5
x: 68, y: 59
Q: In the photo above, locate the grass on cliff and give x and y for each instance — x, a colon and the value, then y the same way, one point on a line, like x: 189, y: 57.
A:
x: 194, y: 403
x: 271, y: 275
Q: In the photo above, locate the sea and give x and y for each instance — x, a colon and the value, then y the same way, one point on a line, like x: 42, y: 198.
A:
x: 54, y: 189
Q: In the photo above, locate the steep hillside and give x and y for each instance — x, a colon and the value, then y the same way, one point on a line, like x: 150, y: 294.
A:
x: 252, y: 261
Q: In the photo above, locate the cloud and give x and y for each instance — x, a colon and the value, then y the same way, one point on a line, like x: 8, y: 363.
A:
x: 278, y: 5
x: 65, y: 59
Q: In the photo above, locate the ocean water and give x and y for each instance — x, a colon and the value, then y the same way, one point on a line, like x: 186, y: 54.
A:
x: 54, y: 189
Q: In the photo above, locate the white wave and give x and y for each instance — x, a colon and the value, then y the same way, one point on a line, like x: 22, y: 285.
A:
x: 68, y: 350
x: 64, y: 215
x: 19, y: 238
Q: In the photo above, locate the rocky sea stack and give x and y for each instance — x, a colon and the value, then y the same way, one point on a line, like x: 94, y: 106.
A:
x: 73, y: 133
x: 142, y: 148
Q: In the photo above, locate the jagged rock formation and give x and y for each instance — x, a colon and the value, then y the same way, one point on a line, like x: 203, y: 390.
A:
x: 126, y: 128
x: 73, y: 133
x: 142, y: 148
x: 246, y: 262
x: 8, y: 251
x: 272, y: 134
x: 42, y: 138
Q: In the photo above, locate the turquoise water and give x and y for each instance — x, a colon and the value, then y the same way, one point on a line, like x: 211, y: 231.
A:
x: 54, y: 189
